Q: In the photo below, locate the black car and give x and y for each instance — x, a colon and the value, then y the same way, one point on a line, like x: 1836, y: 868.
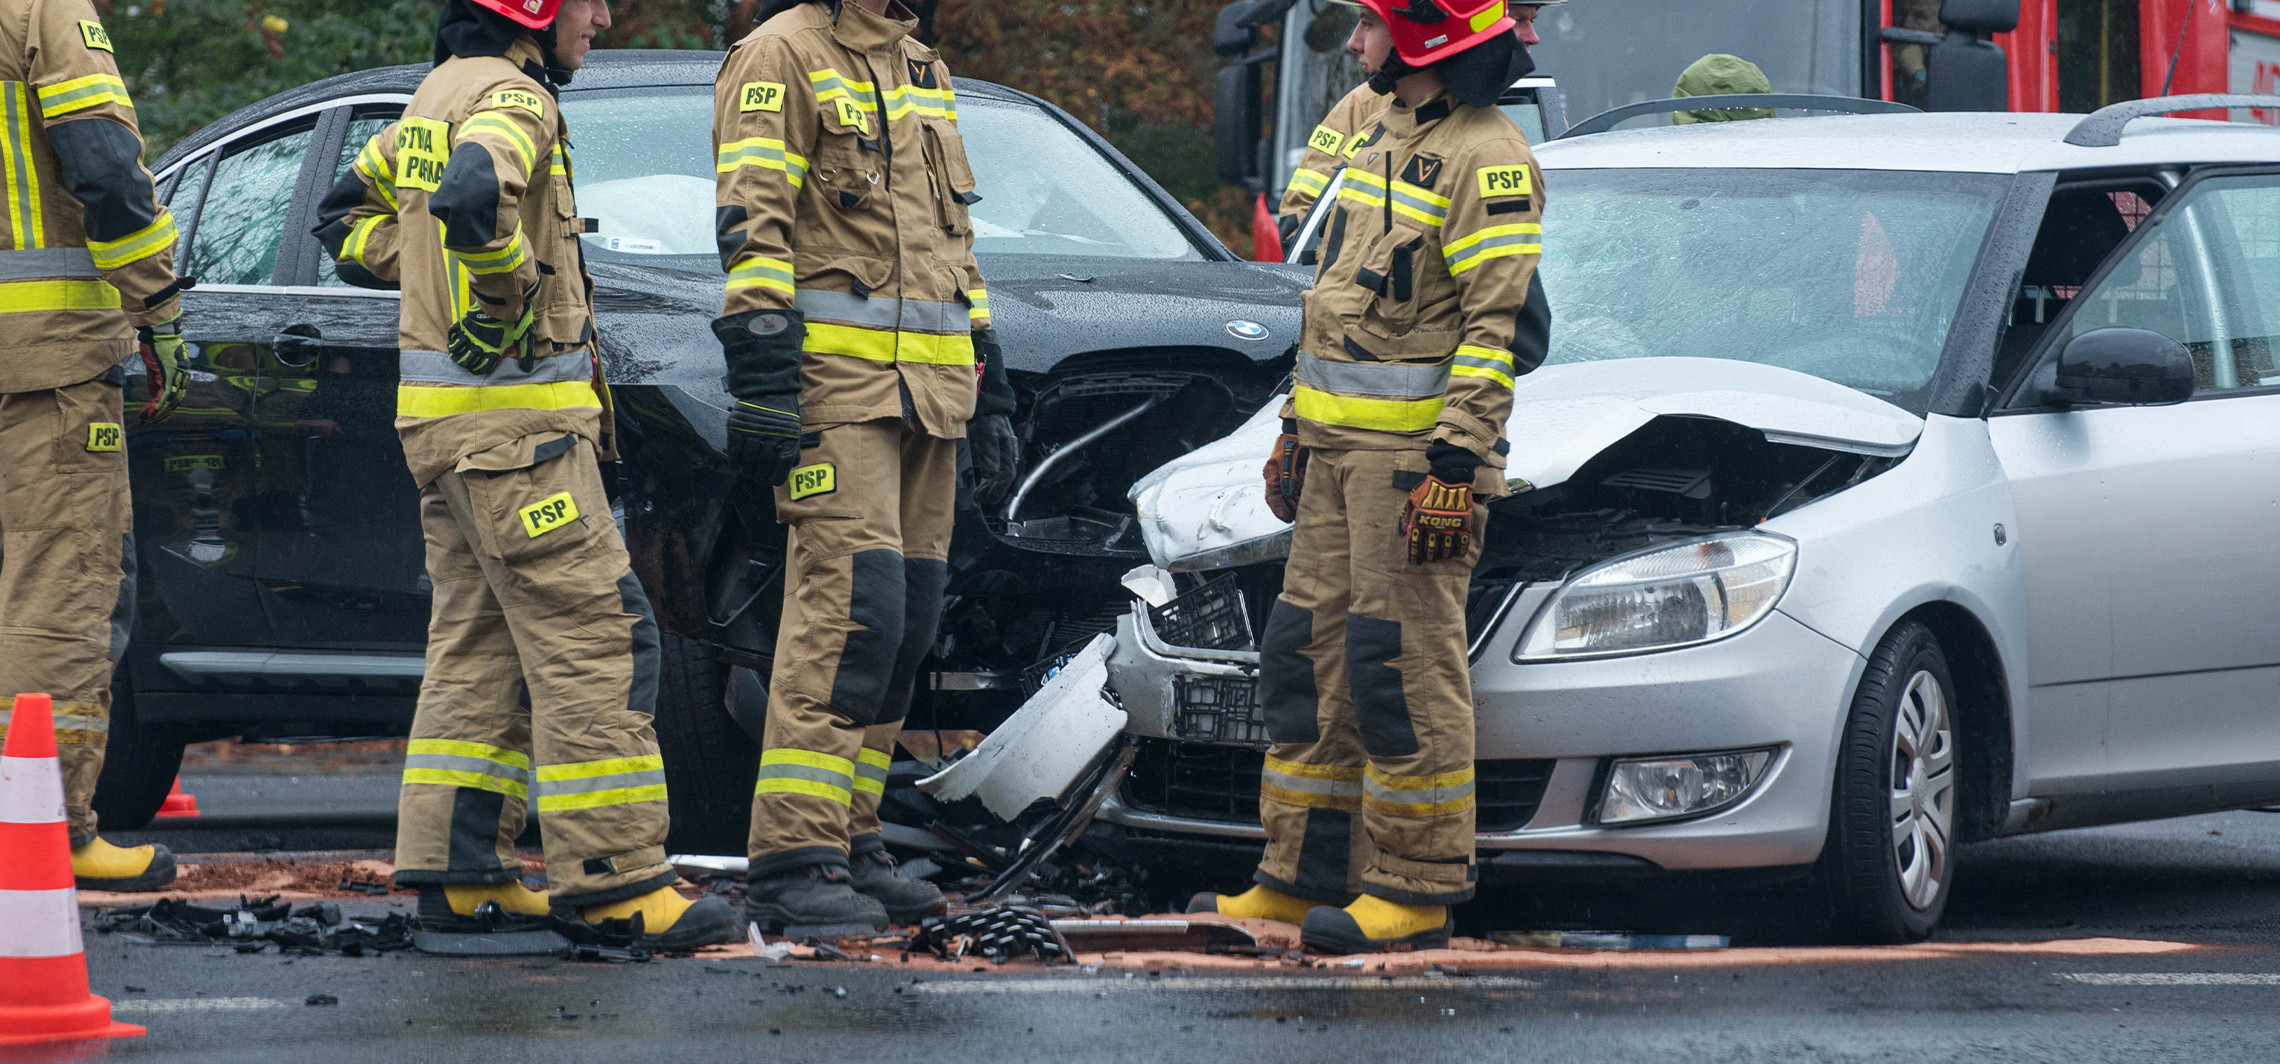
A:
x: 282, y: 587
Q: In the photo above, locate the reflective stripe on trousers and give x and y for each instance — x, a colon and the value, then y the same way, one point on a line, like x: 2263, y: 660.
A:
x: 455, y: 763
x: 593, y: 784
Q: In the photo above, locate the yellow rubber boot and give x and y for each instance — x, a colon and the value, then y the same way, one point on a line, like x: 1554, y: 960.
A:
x: 1261, y: 902
x: 98, y: 865
x: 670, y: 921
x: 512, y: 897
x: 1374, y: 925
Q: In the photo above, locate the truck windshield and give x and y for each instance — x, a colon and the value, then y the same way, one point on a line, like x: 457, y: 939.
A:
x: 645, y: 171
x: 1852, y: 276
x: 1607, y: 53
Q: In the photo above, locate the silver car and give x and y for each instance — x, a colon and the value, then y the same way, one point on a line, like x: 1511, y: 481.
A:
x: 1895, y: 481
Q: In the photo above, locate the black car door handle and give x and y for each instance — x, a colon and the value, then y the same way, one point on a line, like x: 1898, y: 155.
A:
x: 297, y: 345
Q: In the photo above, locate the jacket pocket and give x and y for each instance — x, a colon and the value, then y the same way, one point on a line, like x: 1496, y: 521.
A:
x: 1387, y: 274
x: 952, y: 176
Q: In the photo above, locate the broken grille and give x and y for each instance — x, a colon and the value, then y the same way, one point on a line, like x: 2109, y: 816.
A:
x: 1221, y: 784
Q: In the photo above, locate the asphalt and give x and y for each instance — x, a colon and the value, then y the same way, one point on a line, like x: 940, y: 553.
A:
x: 2142, y: 942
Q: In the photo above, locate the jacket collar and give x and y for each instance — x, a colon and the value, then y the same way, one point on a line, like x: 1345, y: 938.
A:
x: 525, y: 52
x: 862, y: 31
x: 1402, y: 120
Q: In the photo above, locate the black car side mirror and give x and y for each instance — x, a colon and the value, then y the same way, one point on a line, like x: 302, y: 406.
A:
x: 2130, y: 367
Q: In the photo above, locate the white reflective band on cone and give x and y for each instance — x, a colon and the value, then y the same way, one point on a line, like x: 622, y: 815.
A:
x: 31, y: 790
x: 39, y: 923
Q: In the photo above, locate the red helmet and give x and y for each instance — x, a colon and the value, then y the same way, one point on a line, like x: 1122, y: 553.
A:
x: 1427, y: 31
x: 531, y: 14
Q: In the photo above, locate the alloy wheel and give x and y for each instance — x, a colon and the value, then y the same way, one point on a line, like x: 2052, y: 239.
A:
x: 1922, y: 759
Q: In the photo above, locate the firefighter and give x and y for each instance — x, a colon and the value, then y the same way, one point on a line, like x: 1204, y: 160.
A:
x: 86, y: 276
x: 1719, y: 74
x: 1351, y: 118
x: 1425, y: 308
x: 466, y: 203
x: 856, y: 330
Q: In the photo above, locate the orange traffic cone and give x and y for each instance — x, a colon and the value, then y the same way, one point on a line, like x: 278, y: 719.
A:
x: 43, y: 966
x: 179, y: 803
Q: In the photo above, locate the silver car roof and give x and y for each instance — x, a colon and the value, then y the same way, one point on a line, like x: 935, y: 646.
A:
x: 1978, y: 142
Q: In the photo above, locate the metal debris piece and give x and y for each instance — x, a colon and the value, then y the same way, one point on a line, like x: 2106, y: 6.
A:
x: 308, y: 930
x: 364, y: 886
x: 1193, y: 935
x: 997, y: 933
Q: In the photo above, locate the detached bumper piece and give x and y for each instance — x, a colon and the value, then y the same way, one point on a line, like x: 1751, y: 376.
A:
x: 490, y: 932
x: 256, y: 923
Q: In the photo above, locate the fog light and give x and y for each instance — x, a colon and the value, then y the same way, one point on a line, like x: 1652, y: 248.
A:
x: 1659, y: 788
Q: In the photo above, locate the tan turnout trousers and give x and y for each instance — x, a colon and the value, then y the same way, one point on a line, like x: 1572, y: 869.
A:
x: 534, y: 600
x: 63, y: 520
x: 870, y: 514
x: 1364, y: 685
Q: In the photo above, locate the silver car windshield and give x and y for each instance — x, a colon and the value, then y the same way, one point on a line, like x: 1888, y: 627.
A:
x: 1852, y: 276
x: 645, y: 172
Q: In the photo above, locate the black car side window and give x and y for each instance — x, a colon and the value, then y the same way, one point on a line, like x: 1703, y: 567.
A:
x: 241, y: 225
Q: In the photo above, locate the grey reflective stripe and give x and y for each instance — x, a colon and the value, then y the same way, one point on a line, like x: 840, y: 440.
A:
x: 1309, y: 785
x: 611, y: 782
x: 915, y: 315
x: 1368, y: 378
x: 22, y: 179
x: 478, y: 765
x: 68, y: 722
x: 1500, y: 365
x: 790, y: 162
x: 1439, y: 213
x: 1428, y: 796
x: 1467, y: 254
x: 869, y: 772
x: 435, y: 367
x: 840, y: 780
x: 47, y: 262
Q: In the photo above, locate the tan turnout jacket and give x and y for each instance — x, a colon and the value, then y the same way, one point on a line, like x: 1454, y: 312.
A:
x: 84, y: 247
x: 1425, y: 306
x: 843, y: 193
x: 1341, y: 132
x: 482, y: 147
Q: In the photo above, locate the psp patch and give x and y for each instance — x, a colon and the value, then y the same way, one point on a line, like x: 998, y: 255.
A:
x: 97, y: 38
x: 853, y: 116
x: 1326, y: 140
x: 760, y: 96
x: 818, y: 479
x: 528, y: 101
x: 187, y: 462
x: 105, y: 436
x: 1505, y: 181
x: 548, y: 514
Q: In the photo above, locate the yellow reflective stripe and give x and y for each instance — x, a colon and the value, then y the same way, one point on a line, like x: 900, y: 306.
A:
x: 556, y: 803
x: 441, y: 777
x: 876, y: 758
x: 878, y: 345
x: 784, y: 755
x: 1308, y: 800
x: 830, y: 85
x: 929, y: 103
x: 79, y: 94
x: 1487, y: 16
x: 1313, y: 772
x: 979, y: 301
x: 463, y: 748
x: 503, y: 260
x: 1434, y: 782
x: 374, y: 166
x: 1419, y: 204
x: 423, y: 400
x: 22, y: 174
x: 499, y: 125
x: 761, y: 272
x: 1308, y: 182
x: 764, y: 153
x: 561, y: 164
x: 1484, y: 362
x: 1418, y: 796
x: 23, y: 297
x: 359, y: 237
x: 1384, y: 415
x: 810, y: 788
x: 609, y: 766
x: 871, y: 771
x: 1494, y: 242
x: 140, y: 244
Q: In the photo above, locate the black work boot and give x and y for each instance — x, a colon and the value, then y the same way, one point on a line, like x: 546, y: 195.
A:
x: 811, y: 900
x: 872, y: 870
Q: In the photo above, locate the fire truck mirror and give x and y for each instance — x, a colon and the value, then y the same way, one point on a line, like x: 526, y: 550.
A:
x: 1980, y: 16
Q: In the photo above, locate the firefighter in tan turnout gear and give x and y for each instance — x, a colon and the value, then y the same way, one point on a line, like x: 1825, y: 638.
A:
x: 1350, y: 119
x: 466, y: 202
x: 856, y: 329
x: 1425, y: 308
x: 86, y: 270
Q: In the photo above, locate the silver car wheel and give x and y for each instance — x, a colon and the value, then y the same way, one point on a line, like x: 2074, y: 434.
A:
x: 1922, y: 759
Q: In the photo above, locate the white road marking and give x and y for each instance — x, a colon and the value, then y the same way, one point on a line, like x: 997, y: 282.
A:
x: 2173, y: 978
x: 1261, y: 982
x: 230, y: 1004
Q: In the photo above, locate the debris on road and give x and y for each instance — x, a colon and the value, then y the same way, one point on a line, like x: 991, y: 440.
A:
x: 1606, y: 940
x: 1194, y: 935
x: 308, y: 930
x: 1000, y: 933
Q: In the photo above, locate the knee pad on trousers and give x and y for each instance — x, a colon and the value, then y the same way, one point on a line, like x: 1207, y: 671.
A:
x: 924, y: 580
x: 641, y: 697
x: 1381, y: 706
x: 876, y: 602
x: 1288, y: 700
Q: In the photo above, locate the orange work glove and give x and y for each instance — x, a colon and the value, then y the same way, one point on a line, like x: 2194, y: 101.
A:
x: 1285, y: 474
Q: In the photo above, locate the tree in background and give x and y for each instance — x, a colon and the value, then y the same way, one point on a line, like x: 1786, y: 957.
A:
x: 1141, y: 74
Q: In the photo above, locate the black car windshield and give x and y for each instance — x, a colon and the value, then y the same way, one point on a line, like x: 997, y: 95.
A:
x: 1853, y: 276
x: 644, y: 165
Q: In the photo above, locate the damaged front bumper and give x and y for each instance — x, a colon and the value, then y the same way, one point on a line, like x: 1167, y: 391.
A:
x: 1547, y: 735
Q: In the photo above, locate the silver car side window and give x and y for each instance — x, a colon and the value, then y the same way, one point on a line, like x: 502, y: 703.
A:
x: 2208, y: 277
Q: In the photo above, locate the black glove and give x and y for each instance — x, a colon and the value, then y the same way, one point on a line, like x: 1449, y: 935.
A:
x: 995, y: 453
x: 996, y: 395
x: 1286, y: 227
x: 762, y: 351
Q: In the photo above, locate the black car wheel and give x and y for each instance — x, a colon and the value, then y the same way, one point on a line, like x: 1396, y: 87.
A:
x: 710, y: 762
x: 139, y: 764
x: 1887, y: 869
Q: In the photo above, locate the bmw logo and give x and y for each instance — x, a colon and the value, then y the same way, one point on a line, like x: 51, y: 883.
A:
x: 1246, y: 330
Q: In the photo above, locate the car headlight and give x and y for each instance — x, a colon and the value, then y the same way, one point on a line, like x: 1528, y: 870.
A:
x: 1659, y: 788
x: 1672, y: 597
